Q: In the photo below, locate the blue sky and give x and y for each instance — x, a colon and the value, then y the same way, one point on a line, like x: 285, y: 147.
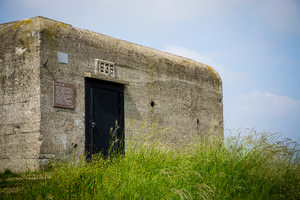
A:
x: 253, y: 44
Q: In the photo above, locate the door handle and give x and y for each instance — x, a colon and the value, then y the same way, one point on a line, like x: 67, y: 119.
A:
x: 92, y: 124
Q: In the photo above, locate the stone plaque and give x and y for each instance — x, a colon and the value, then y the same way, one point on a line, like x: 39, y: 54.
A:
x: 105, y: 67
x: 62, y: 57
x: 64, y: 95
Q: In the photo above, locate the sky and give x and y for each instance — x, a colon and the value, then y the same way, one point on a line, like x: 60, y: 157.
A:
x: 253, y: 44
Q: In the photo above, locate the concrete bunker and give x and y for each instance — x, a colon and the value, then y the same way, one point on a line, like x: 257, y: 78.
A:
x: 51, y: 75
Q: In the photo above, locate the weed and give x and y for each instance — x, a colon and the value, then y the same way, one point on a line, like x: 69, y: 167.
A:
x: 257, y: 166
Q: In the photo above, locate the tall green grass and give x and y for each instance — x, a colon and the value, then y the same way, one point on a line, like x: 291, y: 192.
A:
x: 254, y: 167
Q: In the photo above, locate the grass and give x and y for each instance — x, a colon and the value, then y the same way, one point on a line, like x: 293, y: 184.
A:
x: 6, y: 176
x: 258, y: 166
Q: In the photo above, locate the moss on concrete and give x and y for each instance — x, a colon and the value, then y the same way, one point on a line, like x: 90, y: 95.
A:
x: 25, y: 22
x: 215, y: 75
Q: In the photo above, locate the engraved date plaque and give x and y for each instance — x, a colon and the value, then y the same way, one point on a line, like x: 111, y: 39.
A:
x: 105, y: 67
x: 64, y: 95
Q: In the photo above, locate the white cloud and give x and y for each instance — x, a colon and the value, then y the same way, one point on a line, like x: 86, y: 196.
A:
x: 182, y: 51
x: 217, y: 22
x: 226, y: 75
x: 266, y: 104
x: 278, y: 14
x: 264, y: 111
x: 158, y: 10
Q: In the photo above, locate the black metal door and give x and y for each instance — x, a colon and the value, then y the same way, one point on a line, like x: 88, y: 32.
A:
x: 104, y: 117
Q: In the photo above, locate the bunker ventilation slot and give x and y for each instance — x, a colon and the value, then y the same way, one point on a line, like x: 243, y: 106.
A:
x: 105, y: 67
x: 152, y: 104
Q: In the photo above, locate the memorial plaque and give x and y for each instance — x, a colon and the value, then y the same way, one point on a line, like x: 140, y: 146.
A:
x: 64, y: 95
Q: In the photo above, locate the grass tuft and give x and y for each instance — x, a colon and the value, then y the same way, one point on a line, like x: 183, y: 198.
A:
x: 257, y: 166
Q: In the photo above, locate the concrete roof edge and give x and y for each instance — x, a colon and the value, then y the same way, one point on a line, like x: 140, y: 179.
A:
x: 136, y: 47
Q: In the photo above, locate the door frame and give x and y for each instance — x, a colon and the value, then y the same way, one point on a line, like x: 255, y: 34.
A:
x: 96, y: 83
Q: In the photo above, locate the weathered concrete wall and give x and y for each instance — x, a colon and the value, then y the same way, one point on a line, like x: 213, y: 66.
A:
x: 19, y: 96
x: 187, y: 95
